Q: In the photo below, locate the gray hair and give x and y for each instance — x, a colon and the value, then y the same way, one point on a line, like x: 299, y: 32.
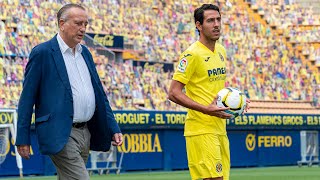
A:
x: 62, y: 13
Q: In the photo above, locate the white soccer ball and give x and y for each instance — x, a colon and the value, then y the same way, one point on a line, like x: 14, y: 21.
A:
x: 232, y: 98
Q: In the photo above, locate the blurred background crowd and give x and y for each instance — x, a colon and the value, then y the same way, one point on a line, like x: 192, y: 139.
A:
x: 274, y: 55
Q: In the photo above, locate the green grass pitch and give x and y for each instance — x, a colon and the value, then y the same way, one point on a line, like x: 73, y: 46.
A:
x: 266, y: 173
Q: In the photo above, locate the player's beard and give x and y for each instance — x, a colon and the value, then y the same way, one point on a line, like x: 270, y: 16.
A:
x: 212, y: 38
x: 215, y: 38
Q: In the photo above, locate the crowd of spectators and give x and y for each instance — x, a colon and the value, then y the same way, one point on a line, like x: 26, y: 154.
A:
x: 259, y: 62
x: 262, y: 65
x: 302, y: 35
x: 300, y: 25
x: 284, y: 13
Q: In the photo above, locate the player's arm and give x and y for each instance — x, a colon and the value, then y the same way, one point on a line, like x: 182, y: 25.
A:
x: 176, y: 95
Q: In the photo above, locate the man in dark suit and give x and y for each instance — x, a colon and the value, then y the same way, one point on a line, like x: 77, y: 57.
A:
x: 72, y: 112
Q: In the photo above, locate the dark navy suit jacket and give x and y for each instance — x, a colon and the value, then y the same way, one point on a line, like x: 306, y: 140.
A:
x: 47, y: 88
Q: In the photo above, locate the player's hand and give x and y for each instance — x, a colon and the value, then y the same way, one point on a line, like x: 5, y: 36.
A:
x: 24, y: 151
x: 247, y: 106
x: 117, y: 139
x: 214, y: 110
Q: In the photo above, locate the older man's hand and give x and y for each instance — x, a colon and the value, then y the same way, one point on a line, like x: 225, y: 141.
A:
x: 117, y: 139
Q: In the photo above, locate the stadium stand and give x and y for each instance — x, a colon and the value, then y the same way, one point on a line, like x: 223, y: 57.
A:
x: 299, y: 33
x: 297, y: 22
x: 283, y: 107
x: 265, y: 60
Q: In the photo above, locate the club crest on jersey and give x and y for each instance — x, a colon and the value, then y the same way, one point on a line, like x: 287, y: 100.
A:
x: 221, y: 57
x: 219, y: 167
x: 183, y: 65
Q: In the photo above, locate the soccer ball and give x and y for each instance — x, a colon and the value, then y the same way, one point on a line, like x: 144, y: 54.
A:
x: 232, y: 98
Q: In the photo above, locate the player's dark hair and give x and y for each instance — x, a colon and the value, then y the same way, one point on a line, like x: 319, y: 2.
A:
x: 199, y: 12
x: 62, y: 12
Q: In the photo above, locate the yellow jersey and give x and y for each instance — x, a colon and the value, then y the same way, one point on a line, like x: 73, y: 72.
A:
x: 204, y: 73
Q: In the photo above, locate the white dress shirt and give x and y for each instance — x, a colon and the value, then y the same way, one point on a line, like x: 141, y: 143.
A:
x: 80, y: 81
